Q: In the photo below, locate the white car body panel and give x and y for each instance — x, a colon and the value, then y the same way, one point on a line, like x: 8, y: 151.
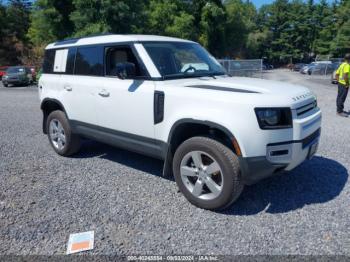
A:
x: 128, y: 107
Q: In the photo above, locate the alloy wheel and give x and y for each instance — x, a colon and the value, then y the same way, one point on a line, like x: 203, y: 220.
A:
x: 57, y: 134
x: 202, y: 175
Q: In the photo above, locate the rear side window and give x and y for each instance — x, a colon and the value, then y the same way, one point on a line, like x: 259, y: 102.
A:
x: 70, y: 61
x: 89, y: 61
x: 49, y: 60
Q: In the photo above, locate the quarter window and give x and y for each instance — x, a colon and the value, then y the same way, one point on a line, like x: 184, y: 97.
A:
x: 89, y: 61
x: 49, y: 60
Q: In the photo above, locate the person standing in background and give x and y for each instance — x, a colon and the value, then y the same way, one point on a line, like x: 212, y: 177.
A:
x: 342, y: 76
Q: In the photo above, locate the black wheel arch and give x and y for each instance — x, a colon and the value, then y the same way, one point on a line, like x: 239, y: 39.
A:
x: 186, y: 128
x: 49, y: 105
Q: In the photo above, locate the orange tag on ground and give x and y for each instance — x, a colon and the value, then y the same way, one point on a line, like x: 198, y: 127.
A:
x: 80, y: 242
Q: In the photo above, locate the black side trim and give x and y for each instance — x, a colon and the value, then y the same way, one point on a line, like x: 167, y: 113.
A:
x: 158, y: 107
x: 220, y: 88
x: 306, y: 141
x: 139, y: 144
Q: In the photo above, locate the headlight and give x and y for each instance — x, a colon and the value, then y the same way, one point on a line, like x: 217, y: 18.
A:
x: 274, y: 118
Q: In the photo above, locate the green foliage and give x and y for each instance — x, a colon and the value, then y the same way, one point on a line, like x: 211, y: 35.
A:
x: 14, y: 18
x: 241, y: 20
x: 299, y: 31
x: 182, y: 27
x: 212, y: 25
x: 282, y: 31
x: 341, y: 43
x: 50, y: 21
x: 101, y: 16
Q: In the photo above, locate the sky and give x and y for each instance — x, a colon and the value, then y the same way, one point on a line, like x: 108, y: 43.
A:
x: 259, y: 3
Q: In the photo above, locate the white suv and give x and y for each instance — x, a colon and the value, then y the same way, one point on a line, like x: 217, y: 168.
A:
x: 170, y: 99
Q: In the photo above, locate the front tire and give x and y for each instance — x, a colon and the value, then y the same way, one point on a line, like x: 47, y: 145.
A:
x: 60, y: 135
x: 207, y: 173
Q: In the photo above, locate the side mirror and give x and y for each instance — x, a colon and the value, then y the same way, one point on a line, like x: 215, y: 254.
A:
x: 126, y: 70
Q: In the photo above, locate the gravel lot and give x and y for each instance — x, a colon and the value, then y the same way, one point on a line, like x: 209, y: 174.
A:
x: 133, y: 210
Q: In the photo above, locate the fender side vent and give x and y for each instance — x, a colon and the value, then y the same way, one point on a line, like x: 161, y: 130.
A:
x: 158, y: 107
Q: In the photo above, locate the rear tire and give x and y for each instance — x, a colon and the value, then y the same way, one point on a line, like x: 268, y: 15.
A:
x: 60, y: 135
x: 195, y: 178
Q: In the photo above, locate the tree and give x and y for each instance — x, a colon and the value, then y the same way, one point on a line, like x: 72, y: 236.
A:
x: 282, y: 31
x: 240, y: 22
x: 170, y: 18
x: 50, y: 21
x: 182, y: 27
x: 213, y: 29
x: 279, y: 25
x: 326, y: 28
x: 101, y: 16
x: 14, y: 27
x: 341, y: 43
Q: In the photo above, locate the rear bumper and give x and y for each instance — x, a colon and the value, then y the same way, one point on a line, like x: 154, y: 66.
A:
x: 15, y: 81
x: 292, y: 154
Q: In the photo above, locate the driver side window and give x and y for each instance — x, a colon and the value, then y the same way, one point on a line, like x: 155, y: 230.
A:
x: 121, y: 62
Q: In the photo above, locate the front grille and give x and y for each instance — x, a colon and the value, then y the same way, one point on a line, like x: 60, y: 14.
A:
x: 308, y: 140
x: 304, y: 109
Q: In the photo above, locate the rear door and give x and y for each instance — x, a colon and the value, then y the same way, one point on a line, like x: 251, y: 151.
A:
x: 80, y: 83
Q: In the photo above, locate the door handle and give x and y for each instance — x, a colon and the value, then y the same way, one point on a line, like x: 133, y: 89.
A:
x: 68, y: 88
x: 104, y: 93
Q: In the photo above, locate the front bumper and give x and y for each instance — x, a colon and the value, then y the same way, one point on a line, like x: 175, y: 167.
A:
x: 254, y: 169
x: 285, y: 155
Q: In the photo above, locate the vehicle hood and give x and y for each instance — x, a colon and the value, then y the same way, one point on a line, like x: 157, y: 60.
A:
x: 247, y: 90
x: 244, y: 85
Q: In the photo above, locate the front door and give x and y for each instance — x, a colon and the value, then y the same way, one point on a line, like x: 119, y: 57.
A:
x: 125, y: 106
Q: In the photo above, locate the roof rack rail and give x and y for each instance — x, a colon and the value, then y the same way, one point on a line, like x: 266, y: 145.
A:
x: 76, y: 39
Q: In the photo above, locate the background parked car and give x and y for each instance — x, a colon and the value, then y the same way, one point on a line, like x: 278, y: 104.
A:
x: 2, y: 71
x: 17, y: 75
x: 267, y: 66
x: 307, y: 68
x: 297, y: 67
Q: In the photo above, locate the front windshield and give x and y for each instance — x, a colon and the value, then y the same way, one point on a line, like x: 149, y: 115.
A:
x: 182, y: 59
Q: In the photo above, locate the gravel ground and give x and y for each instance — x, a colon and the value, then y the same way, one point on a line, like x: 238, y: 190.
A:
x: 133, y: 210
